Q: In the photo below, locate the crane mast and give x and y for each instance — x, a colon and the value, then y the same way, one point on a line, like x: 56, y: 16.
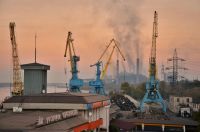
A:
x: 75, y: 83
x: 97, y: 83
x: 17, y: 80
x: 153, y: 48
x: 152, y: 94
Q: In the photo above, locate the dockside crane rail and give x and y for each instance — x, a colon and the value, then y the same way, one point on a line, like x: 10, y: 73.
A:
x: 152, y: 94
x: 98, y: 83
x: 17, y: 80
x: 75, y: 83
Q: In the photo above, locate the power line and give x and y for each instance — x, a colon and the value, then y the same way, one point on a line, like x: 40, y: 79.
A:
x: 174, y: 76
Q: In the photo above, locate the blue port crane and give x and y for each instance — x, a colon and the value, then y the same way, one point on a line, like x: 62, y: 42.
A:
x: 97, y: 84
x: 152, y: 94
x: 75, y: 83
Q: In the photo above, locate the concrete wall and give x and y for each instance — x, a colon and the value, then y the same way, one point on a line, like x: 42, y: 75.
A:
x: 95, y: 114
x: 175, y: 102
x: 105, y: 114
x: 195, y: 107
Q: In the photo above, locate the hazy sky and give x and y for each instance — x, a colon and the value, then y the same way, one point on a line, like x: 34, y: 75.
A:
x: 93, y: 24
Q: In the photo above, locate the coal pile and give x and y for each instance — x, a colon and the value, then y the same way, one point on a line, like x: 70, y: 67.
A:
x: 123, y: 103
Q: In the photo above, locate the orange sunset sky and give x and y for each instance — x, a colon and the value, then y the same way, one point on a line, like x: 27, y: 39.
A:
x: 93, y: 24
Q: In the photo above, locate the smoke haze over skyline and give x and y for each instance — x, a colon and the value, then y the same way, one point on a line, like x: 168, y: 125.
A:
x: 93, y: 24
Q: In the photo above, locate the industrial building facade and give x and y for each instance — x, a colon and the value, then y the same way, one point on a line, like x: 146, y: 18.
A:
x: 93, y: 111
x: 175, y: 103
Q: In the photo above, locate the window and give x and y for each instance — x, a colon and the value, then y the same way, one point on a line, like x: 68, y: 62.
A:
x: 188, y: 100
x: 177, y: 99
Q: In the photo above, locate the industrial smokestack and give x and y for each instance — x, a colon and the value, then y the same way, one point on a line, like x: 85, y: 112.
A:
x: 117, y: 72
x: 138, y: 66
x: 137, y: 69
x: 137, y: 59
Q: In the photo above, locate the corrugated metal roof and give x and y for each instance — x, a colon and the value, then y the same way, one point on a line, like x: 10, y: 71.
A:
x: 77, y: 98
x: 35, y: 66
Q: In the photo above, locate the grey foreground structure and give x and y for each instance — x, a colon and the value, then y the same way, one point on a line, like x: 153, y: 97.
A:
x: 35, y: 78
x: 26, y: 122
x: 23, y: 113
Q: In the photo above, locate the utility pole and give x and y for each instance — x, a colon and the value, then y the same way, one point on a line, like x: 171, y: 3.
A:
x: 174, y: 76
x: 137, y: 64
x: 117, y: 72
x: 163, y: 73
x: 35, y: 48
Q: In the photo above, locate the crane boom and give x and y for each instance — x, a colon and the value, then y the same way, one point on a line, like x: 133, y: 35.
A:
x: 98, y: 83
x: 119, y: 50
x: 152, y: 68
x: 105, y: 50
x: 17, y: 80
x: 107, y: 63
x: 68, y: 46
x: 109, y: 59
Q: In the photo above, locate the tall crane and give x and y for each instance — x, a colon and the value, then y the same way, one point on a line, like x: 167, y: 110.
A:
x: 152, y: 94
x: 17, y: 80
x: 98, y: 83
x: 75, y: 83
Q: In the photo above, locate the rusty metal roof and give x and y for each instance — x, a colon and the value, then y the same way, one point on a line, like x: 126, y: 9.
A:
x: 35, y: 66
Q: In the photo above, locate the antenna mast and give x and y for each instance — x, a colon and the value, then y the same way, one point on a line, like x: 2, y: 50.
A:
x: 35, y: 48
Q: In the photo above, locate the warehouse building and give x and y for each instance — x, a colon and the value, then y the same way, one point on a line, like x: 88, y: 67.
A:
x: 49, y: 111
x: 176, y: 102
